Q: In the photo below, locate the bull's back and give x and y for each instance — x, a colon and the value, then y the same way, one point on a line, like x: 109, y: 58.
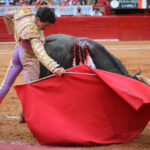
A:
x: 60, y: 47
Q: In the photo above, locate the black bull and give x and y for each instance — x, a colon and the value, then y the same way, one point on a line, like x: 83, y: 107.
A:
x: 60, y: 47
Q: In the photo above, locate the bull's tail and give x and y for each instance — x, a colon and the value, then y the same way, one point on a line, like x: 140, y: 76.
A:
x: 81, y: 53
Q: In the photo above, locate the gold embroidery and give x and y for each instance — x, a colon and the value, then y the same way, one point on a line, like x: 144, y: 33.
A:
x: 22, y: 12
x: 25, y: 28
x: 8, y: 18
x: 30, y: 31
x: 40, y: 52
x: 31, y: 66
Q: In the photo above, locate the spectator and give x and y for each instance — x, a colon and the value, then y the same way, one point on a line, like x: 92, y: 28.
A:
x: 56, y: 2
x: 78, y: 3
x: 44, y: 3
x: 30, y: 2
x: 72, y: 2
x: 65, y: 3
x: 5, y: 1
x: 83, y: 2
x: 78, y: 12
x: 50, y: 2
x: 61, y: 3
x: 96, y: 12
x: 22, y: 2
x: 38, y: 5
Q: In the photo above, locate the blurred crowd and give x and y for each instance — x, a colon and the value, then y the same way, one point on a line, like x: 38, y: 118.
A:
x: 39, y: 3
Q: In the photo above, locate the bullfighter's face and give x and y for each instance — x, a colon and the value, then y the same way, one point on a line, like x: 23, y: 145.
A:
x: 41, y: 25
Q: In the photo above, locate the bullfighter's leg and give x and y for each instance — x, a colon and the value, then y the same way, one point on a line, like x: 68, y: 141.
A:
x: 31, y: 70
x: 30, y: 66
x: 14, y: 69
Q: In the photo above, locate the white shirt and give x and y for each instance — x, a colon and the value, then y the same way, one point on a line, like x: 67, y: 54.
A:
x: 93, y: 13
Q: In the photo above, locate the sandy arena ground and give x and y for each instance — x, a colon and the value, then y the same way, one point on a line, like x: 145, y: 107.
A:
x: 134, y: 55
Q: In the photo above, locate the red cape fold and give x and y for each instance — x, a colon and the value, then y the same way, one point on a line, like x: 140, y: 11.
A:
x: 85, y: 109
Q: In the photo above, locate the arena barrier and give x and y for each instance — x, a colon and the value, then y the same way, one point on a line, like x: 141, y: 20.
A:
x: 105, y: 27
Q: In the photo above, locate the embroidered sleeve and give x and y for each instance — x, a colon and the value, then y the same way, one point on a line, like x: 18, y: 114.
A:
x: 42, y: 56
x: 8, y: 18
x: 30, y: 31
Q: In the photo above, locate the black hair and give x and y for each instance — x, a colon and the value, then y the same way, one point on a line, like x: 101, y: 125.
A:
x: 79, y: 9
x: 46, y: 14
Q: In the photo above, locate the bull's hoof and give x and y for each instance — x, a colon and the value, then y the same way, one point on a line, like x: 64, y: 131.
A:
x: 22, y: 120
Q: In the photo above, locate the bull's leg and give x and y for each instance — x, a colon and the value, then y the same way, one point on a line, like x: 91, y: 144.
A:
x: 22, y: 120
x: 143, y: 79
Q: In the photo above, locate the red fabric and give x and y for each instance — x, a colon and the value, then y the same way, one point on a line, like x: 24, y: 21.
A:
x: 85, y: 109
x: 1, y: 99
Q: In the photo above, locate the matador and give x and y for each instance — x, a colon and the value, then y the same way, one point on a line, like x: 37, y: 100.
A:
x: 28, y: 32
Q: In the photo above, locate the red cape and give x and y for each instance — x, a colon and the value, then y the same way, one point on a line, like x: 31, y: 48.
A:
x: 85, y: 109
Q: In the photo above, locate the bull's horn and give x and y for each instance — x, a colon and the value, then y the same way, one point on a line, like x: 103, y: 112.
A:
x: 143, y: 79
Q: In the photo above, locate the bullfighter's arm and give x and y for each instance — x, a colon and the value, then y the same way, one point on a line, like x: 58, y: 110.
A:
x: 8, y: 18
x: 42, y: 56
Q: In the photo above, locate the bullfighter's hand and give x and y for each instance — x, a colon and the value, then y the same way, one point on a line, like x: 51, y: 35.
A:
x: 59, y: 71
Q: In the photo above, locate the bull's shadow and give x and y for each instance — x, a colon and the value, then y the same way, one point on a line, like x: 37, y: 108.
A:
x: 60, y: 47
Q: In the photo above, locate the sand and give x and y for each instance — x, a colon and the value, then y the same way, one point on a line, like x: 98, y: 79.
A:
x: 135, y: 55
